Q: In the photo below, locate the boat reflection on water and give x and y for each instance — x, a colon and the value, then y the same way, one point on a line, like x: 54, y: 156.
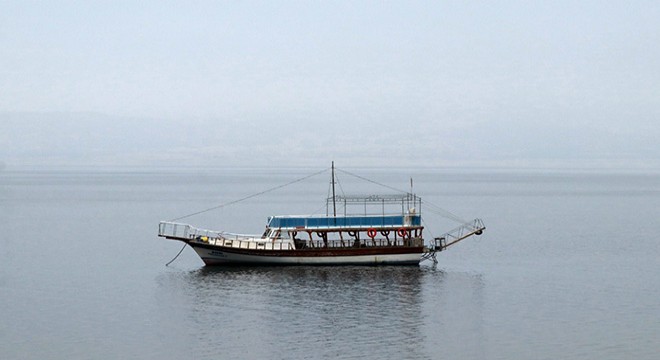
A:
x: 315, y: 311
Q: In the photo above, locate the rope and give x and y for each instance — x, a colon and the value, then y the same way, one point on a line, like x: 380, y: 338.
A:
x: 341, y: 189
x: 250, y: 196
x: 428, y: 229
x: 372, y: 181
x: 177, y: 255
x: 434, y: 208
x: 442, y: 212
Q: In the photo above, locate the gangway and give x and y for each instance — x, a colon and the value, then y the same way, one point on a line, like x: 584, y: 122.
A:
x: 440, y: 243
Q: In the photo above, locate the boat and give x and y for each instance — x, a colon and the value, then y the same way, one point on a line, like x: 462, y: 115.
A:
x: 369, y: 230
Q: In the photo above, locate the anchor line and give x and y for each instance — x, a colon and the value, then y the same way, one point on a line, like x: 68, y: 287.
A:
x: 177, y: 255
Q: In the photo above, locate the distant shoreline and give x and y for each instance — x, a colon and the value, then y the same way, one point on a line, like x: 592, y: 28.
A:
x: 4, y: 167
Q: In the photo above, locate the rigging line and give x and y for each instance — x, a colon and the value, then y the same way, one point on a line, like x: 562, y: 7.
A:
x: 341, y: 189
x: 442, y: 212
x: 372, y: 181
x: 251, y: 196
x: 428, y: 229
x: 318, y: 211
x: 447, y: 216
x: 439, y: 210
x: 446, y: 213
x: 177, y: 255
x: 339, y: 184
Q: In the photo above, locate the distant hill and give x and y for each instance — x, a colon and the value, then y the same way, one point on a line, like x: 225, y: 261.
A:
x: 32, y: 139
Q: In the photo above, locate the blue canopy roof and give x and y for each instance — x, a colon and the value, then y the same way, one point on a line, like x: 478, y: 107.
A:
x: 319, y: 222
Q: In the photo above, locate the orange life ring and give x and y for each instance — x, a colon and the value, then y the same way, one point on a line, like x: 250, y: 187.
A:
x: 402, y: 232
x: 371, y: 233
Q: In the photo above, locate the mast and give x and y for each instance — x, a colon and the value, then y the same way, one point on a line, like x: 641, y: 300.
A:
x: 334, y: 200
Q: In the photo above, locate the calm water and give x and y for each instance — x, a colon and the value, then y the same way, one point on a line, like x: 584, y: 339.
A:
x: 567, y: 268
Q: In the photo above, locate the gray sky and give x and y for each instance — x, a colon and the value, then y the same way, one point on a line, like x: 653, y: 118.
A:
x: 438, y: 83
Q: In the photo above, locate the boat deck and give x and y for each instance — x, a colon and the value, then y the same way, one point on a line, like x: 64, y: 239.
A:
x: 190, y: 234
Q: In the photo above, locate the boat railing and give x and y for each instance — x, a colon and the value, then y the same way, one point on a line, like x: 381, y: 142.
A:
x: 185, y: 231
x: 374, y: 204
x: 474, y: 227
x: 240, y: 241
x: 248, y: 244
x: 353, y: 243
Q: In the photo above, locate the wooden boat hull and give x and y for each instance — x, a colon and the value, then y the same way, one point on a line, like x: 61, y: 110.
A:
x: 218, y: 255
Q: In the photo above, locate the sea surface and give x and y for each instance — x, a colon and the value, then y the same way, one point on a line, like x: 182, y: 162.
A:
x: 568, y: 268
